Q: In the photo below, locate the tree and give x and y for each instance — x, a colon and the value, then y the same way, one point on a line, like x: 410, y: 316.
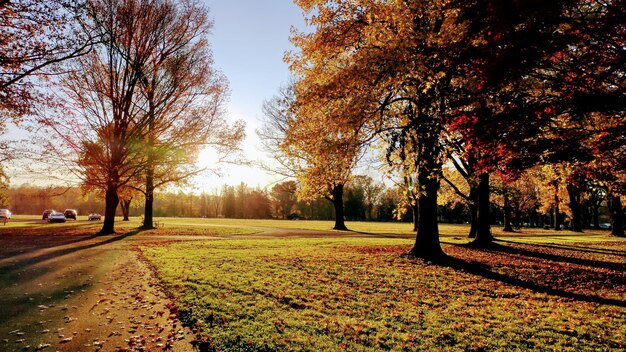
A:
x: 4, y: 188
x: 321, y: 159
x: 393, y: 84
x: 284, y: 198
x: 126, y: 195
x: 101, y: 117
x: 184, y: 97
x: 258, y: 205
x: 229, y: 206
x: 354, y: 204
x: 372, y: 191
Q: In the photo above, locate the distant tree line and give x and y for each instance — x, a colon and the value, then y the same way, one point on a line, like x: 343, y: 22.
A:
x: 528, y: 202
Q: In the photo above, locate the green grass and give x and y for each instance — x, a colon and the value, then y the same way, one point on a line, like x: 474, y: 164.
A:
x: 360, y: 294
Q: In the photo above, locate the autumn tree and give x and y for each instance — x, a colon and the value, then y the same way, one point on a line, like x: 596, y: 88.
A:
x: 566, y: 72
x: 100, y: 122
x: 284, y: 198
x: 183, y: 98
x: 320, y: 158
x: 394, y: 85
x: 126, y: 195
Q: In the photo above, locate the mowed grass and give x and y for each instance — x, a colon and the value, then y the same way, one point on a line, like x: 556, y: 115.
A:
x: 33, y: 225
x: 361, y: 294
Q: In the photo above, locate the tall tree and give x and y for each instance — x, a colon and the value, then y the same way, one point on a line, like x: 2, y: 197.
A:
x: 320, y: 158
x: 102, y: 118
x: 184, y: 97
x: 393, y: 84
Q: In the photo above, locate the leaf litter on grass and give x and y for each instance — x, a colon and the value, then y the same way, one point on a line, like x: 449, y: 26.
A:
x: 361, y: 294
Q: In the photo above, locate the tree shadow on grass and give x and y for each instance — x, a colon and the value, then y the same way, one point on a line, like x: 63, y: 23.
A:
x: 382, y: 235
x: 483, y: 270
x: 553, y: 256
x: 571, y: 247
x: 536, y: 282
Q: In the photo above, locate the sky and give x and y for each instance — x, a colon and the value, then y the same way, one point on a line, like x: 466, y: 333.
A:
x: 249, y: 40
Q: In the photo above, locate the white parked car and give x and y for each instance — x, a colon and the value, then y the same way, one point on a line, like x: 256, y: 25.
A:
x: 5, y: 214
x: 94, y: 216
x: 56, y: 217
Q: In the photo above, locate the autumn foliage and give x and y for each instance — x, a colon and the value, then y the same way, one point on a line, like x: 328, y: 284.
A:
x: 493, y: 87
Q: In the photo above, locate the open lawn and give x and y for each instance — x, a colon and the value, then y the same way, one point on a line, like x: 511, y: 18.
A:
x: 548, y: 291
x: 269, y: 285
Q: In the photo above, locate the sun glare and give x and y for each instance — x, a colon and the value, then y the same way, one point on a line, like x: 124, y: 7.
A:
x: 208, y: 159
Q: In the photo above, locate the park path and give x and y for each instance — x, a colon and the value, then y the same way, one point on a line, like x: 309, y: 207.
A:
x: 93, y: 293
x: 82, y: 294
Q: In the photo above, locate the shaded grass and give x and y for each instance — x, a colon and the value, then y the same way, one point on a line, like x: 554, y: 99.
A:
x: 361, y: 294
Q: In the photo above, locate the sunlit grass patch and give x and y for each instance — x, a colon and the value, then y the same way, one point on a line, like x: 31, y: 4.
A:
x: 361, y: 294
x: 196, y: 230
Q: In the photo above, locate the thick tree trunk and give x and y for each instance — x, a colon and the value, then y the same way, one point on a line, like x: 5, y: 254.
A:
x: 574, y: 203
x: 473, y: 209
x: 483, y: 230
x: 507, y: 214
x: 111, y: 201
x: 617, y: 216
x: 427, y: 244
x: 125, y: 204
x: 338, y: 204
x: 148, y: 213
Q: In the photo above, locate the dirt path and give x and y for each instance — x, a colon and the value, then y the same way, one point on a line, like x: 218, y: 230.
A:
x: 82, y: 294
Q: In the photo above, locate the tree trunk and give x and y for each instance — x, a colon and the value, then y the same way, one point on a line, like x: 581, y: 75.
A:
x: 473, y: 209
x: 111, y: 202
x: 148, y: 220
x: 574, y: 203
x: 617, y: 216
x: 125, y: 204
x: 557, y: 215
x: 414, y: 209
x: 595, y: 211
x: 427, y: 244
x: 338, y: 204
x: 483, y: 230
x: 148, y: 213
x: 507, y: 213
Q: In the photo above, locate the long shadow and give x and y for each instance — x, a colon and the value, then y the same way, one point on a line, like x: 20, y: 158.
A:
x: 14, y: 305
x: 382, y: 235
x: 571, y: 247
x: 9, y: 270
x: 52, y: 241
x: 496, y: 247
x: 484, y: 271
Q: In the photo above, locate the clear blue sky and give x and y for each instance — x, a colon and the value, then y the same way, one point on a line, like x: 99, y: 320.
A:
x: 249, y: 40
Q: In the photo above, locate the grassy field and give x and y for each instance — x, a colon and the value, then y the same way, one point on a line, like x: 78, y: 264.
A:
x: 247, y: 285
x: 361, y: 294
x: 363, y: 227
